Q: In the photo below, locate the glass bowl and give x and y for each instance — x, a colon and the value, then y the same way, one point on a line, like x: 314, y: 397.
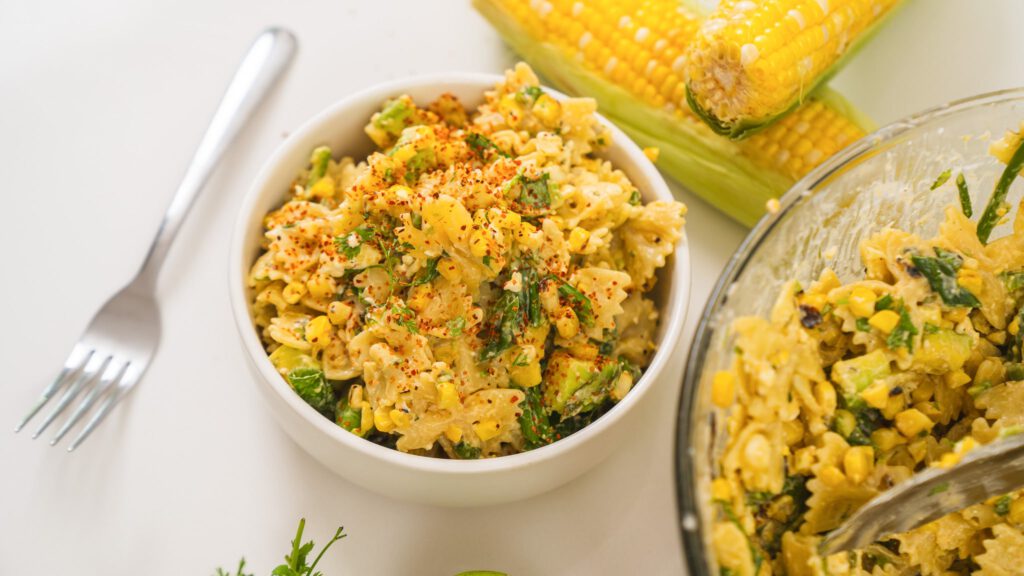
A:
x: 883, y: 180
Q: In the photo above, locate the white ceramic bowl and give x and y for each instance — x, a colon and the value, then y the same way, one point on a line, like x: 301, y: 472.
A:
x: 417, y: 478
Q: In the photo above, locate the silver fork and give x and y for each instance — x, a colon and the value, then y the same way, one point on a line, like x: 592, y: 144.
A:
x: 118, y: 345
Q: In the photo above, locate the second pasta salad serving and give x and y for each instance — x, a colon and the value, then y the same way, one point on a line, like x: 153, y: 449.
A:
x: 476, y: 287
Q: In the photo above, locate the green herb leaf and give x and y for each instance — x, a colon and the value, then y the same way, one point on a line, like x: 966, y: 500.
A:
x: 634, y: 198
x: 941, y: 274
x: 311, y: 386
x: 536, y: 193
x: 533, y: 421
x: 942, y: 179
x: 863, y: 325
x: 240, y: 571
x: 511, y: 313
x: 319, y: 160
x: 481, y: 144
x: 579, y: 301
x: 428, y: 273
x: 997, y: 207
x: 965, y: 195
x: 406, y: 318
x: 466, y: 451
x: 1002, y: 506
x: 884, y: 303
x: 528, y: 94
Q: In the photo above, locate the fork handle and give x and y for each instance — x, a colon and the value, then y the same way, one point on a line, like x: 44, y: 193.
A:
x: 266, y: 60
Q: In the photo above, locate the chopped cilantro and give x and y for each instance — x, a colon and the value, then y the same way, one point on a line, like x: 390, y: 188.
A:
x: 943, y: 178
x: 406, y: 318
x: 581, y: 305
x: 884, y: 303
x: 428, y: 273
x: 941, y: 274
x: 480, y: 144
x: 902, y: 336
x: 466, y: 451
x: 528, y: 94
x: 863, y: 325
x: 535, y: 193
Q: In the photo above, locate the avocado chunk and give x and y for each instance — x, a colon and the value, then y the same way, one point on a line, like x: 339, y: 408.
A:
x: 943, y: 351
x: 565, y: 375
x: 856, y: 374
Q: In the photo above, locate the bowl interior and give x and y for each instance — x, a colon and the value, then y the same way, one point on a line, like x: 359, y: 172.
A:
x: 881, y: 181
x: 341, y: 128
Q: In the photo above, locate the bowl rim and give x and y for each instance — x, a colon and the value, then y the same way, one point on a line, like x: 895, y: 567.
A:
x: 674, y: 311
x: 689, y: 515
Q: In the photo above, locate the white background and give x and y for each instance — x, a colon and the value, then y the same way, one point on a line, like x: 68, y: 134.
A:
x: 101, y: 104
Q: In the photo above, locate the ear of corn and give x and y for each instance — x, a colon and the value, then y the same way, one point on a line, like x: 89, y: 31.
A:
x: 629, y: 55
x: 754, y: 60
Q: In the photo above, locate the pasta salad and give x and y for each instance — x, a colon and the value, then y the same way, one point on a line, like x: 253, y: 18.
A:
x: 476, y: 287
x: 848, y: 389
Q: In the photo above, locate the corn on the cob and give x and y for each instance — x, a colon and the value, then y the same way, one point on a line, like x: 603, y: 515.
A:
x: 754, y: 60
x: 629, y: 56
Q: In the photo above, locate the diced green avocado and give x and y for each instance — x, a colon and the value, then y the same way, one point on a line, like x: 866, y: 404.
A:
x: 391, y: 118
x: 565, y: 375
x: 943, y: 351
x: 856, y: 374
x: 286, y: 359
x: 311, y: 386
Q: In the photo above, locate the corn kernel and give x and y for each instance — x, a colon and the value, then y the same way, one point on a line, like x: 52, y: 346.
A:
x: 948, y: 460
x: 792, y: 432
x: 803, y: 460
x: 825, y: 394
x: 912, y: 422
x: 1014, y: 326
x: 957, y: 379
x: 318, y: 331
x: 448, y: 398
x: 876, y: 395
x: 858, y: 463
x: 526, y: 376
x: 652, y: 153
x: 547, y: 110
x: 294, y: 292
x: 918, y: 449
x: 382, y: 420
x: 568, y: 325
x: 400, y: 418
x: 723, y: 389
x: 831, y: 476
x: 720, y: 490
x: 453, y: 433
x: 510, y: 109
x: 886, y: 439
x: 487, y: 429
x: 419, y: 297
x: 478, y: 243
x: 324, y: 188
x: 969, y: 280
x: 884, y: 321
x: 448, y: 214
x: 366, y: 418
x: 862, y: 302
x: 321, y: 286
x: 339, y: 312
x: 578, y: 239
x: 816, y: 301
x: 998, y: 337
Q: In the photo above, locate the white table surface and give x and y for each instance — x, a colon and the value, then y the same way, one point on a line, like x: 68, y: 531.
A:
x: 101, y: 106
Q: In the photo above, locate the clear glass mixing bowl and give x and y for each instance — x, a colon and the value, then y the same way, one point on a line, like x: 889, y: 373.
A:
x: 883, y: 180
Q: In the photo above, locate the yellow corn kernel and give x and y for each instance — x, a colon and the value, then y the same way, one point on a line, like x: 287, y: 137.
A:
x: 453, y: 433
x: 527, y: 235
x: 419, y: 297
x: 876, y: 395
x: 365, y: 418
x: 450, y: 216
x: 998, y: 337
x: 969, y: 280
x: 912, y: 422
x: 568, y: 325
x: 505, y: 219
x: 547, y: 110
x: 720, y: 490
x: 448, y: 397
x: 487, y: 428
x: 723, y: 388
x: 526, y: 376
x: 321, y: 286
x: 652, y: 153
x: 884, y: 321
x: 825, y: 394
x: 479, y: 243
x: 382, y: 420
x: 862, y: 302
x: 324, y: 188
x: 578, y: 239
x: 447, y: 268
x: 957, y: 379
x: 815, y: 300
x: 294, y: 292
x: 831, y: 476
x: 803, y: 460
x: 1016, y: 514
x: 510, y: 109
x: 858, y: 463
x: 918, y: 449
x: 318, y: 331
x: 948, y: 460
x: 339, y: 312
x: 399, y: 417
x: 1014, y: 326
x: 886, y: 439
